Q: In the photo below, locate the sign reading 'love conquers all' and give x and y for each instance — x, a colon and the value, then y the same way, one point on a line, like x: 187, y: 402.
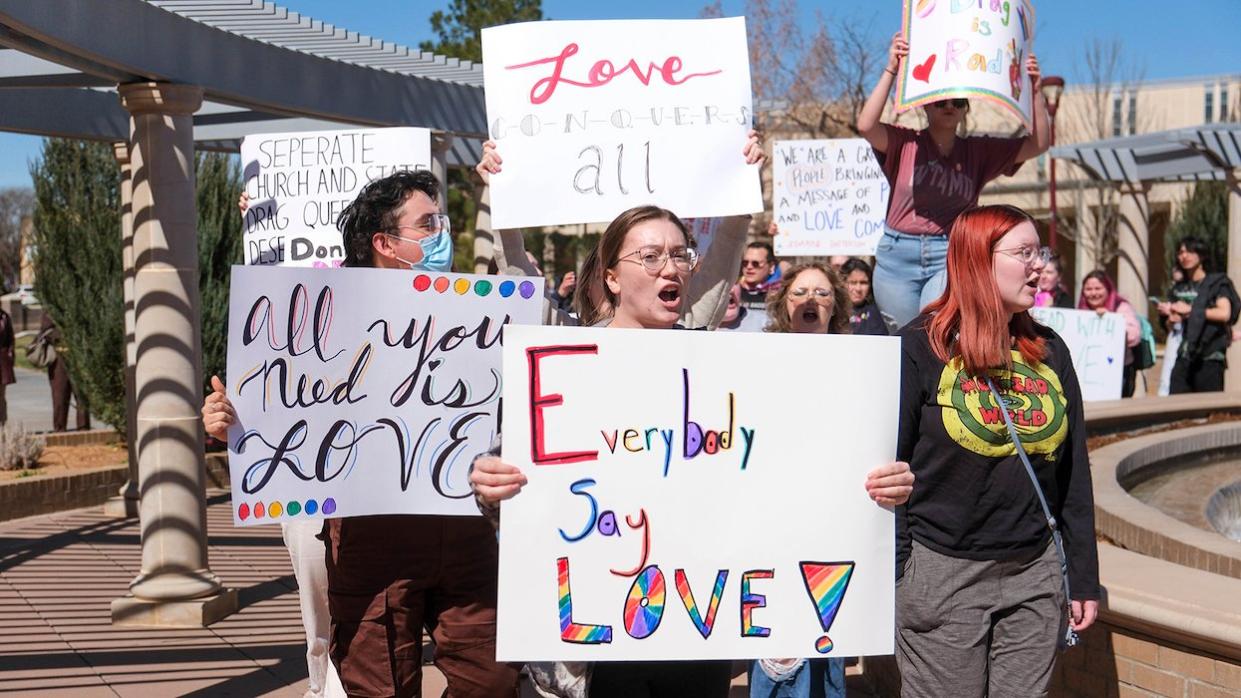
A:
x: 968, y: 48
x: 593, y: 118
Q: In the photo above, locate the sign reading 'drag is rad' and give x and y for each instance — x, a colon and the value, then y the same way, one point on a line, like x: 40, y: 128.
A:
x: 593, y: 118
x: 831, y: 197
x: 363, y: 391
x: 299, y: 183
x: 680, y: 509
x: 1097, y: 345
x: 968, y: 48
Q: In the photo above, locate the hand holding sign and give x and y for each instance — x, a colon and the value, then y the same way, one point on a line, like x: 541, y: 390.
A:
x: 967, y: 49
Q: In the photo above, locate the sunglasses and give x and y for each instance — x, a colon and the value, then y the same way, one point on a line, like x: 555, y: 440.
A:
x: 959, y: 103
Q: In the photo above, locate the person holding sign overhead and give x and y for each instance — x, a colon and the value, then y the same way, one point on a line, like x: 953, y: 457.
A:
x: 996, y: 548
x: 636, y: 277
x: 935, y: 174
x: 390, y: 576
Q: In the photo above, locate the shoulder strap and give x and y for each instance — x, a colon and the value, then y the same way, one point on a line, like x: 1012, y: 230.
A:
x: 1070, y: 637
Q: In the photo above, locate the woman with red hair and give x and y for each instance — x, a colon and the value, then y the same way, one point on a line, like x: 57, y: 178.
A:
x: 999, y: 528
x: 1099, y: 294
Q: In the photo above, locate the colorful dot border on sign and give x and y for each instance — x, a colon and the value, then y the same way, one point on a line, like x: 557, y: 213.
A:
x: 482, y: 287
x: 277, y: 509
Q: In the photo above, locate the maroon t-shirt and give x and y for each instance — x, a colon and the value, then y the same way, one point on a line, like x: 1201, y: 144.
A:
x: 929, y: 191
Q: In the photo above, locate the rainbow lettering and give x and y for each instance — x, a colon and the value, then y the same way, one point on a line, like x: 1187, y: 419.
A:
x: 644, y: 608
x: 826, y: 582
x: 749, y: 602
x: 687, y: 598
x: 577, y: 633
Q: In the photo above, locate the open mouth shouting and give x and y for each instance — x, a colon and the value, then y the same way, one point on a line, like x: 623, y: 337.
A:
x: 670, y: 296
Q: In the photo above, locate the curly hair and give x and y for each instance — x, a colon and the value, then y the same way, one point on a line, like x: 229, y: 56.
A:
x: 777, y: 309
x: 375, y: 210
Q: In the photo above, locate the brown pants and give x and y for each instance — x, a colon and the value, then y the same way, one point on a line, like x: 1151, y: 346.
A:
x: 388, y: 577
x: 62, y: 390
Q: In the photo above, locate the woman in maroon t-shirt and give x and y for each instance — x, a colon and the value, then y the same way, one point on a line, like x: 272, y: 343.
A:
x: 935, y: 174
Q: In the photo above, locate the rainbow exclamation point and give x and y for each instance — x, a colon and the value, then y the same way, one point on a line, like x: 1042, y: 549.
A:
x: 826, y: 582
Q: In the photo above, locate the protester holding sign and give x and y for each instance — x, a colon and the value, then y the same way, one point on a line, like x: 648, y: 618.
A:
x: 935, y: 174
x: 812, y: 300
x: 992, y: 425
x: 636, y: 277
x: 390, y: 575
x: 1099, y: 294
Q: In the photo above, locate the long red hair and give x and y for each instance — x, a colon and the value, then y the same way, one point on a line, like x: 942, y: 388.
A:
x: 969, y: 318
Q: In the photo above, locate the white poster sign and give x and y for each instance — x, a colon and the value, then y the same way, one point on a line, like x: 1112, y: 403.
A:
x: 1097, y: 344
x: 968, y: 48
x: 679, y: 508
x: 830, y: 197
x: 364, y: 391
x: 595, y: 117
x: 299, y: 183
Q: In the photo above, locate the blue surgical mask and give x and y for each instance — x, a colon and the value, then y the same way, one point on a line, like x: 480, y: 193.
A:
x: 436, y: 253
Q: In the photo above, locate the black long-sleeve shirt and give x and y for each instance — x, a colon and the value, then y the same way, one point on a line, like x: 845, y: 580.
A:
x: 972, y: 497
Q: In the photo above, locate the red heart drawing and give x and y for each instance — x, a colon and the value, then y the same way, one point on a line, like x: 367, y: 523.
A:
x: 923, y: 72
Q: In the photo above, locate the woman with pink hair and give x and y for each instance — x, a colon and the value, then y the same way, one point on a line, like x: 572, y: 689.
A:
x: 1099, y: 294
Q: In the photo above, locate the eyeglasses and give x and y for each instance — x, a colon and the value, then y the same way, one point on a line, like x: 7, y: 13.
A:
x: 653, y: 259
x: 753, y: 263
x: 959, y: 103
x: 1029, y: 255
x: 819, y: 293
x: 430, y: 224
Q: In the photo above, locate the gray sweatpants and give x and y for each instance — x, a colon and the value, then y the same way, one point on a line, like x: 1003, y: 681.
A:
x: 978, y: 628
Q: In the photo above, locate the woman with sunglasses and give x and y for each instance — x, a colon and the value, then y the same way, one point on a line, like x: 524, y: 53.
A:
x: 935, y: 174
x: 636, y: 277
x: 990, y: 403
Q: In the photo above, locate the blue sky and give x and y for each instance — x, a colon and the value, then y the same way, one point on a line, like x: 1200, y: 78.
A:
x: 1166, y: 39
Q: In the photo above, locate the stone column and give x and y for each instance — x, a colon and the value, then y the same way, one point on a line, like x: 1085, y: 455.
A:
x: 125, y: 503
x: 440, y: 143
x: 175, y: 586
x: 1133, y: 245
x: 1232, y: 378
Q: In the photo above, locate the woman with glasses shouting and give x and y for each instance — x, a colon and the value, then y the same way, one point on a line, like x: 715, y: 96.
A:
x: 995, y: 548
x: 639, y: 275
x: 935, y: 173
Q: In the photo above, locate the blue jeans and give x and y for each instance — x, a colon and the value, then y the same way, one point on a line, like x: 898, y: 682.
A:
x: 910, y: 271
x: 815, y: 678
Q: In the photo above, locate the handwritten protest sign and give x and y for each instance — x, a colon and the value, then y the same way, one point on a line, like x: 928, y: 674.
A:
x: 363, y: 391
x: 299, y: 183
x: 830, y: 197
x: 593, y: 118
x: 678, y: 508
x: 968, y: 48
x: 1097, y: 345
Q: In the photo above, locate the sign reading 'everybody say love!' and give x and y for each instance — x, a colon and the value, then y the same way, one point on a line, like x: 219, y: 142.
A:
x: 593, y: 118
x: 364, y: 391
x: 680, y: 509
x: 968, y: 48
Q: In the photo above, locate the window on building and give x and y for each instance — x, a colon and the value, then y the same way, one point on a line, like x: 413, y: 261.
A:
x: 1133, y: 113
x: 1223, y: 102
x: 1208, y: 103
x: 1117, y: 115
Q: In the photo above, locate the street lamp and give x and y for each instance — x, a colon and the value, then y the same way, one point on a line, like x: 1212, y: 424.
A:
x: 1052, y: 87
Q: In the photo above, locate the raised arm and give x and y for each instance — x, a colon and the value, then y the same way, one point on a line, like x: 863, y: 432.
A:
x: 1039, y: 139
x: 868, y: 120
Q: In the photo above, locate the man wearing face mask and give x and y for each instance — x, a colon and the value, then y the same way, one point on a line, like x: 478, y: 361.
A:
x: 390, y: 576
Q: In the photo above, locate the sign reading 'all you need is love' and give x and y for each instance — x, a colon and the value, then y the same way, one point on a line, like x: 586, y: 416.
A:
x: 968, y: 48
x: 671, y: 513
x: 364, y: 391
x: 593, y: 118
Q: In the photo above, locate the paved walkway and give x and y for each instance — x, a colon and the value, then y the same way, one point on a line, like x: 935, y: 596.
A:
x: 30, y: 401
x: 59, y: 573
